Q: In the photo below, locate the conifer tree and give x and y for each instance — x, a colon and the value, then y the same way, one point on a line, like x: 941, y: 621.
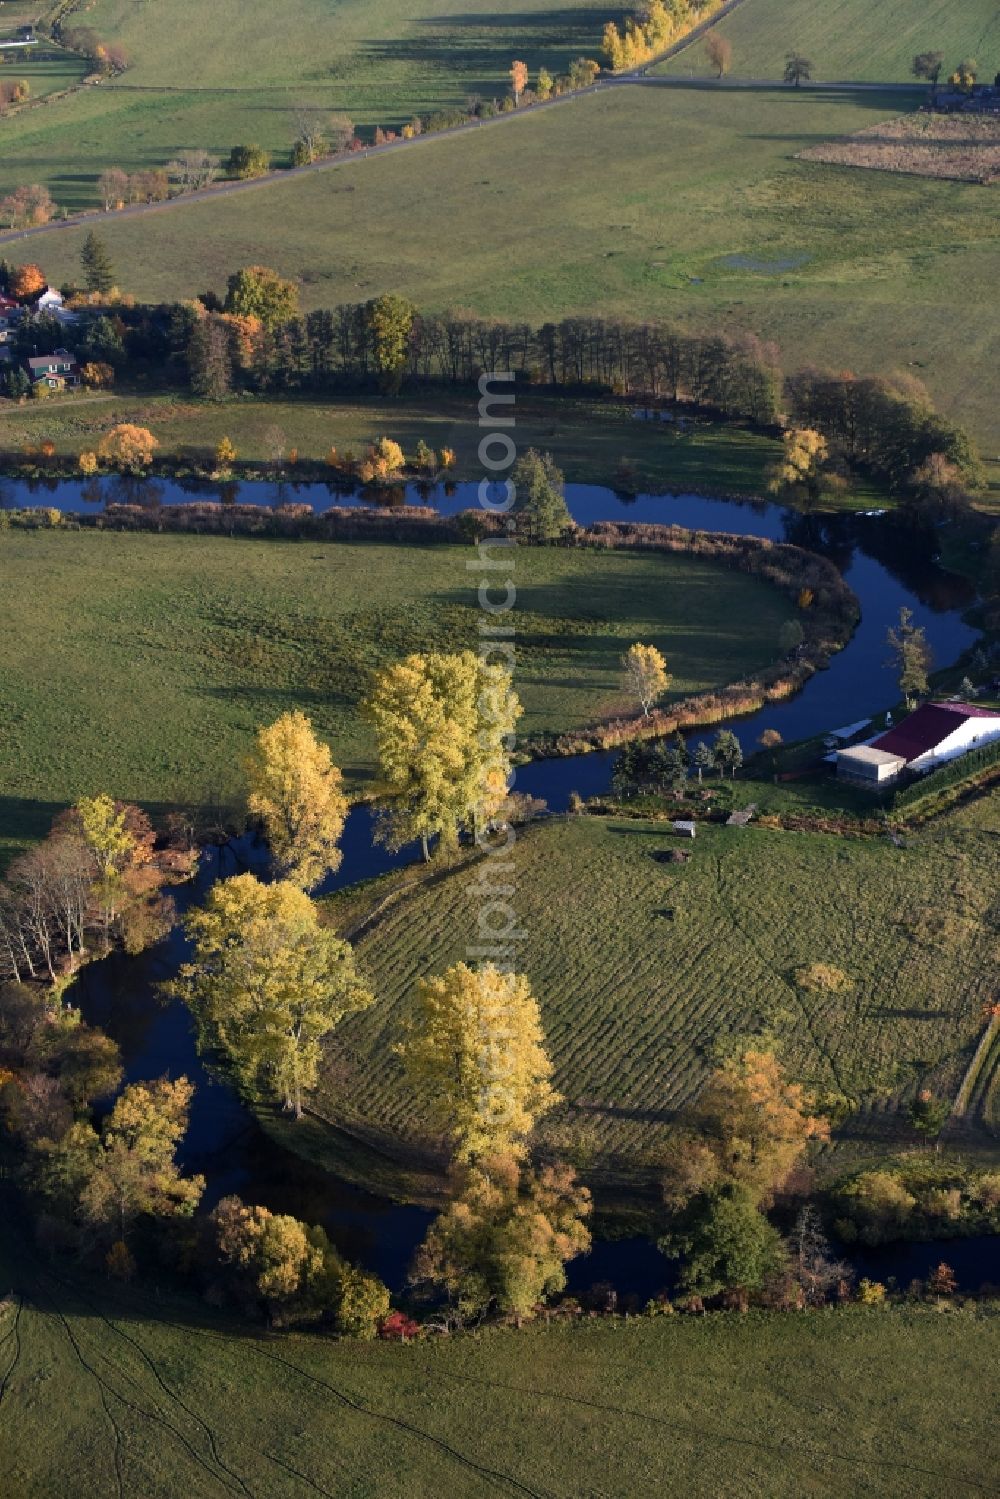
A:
x: 98, y: 272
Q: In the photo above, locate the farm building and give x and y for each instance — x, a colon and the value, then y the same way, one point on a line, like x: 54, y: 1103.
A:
x: 58, y: 371
x: 934, y: 734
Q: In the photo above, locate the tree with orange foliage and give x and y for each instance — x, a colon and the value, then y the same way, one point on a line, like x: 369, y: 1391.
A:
x: 518, y: 79
x: 244, y: 336
x: 128, y: 448
x: 27, y: 281
x: 98, y: 375
x: 749, y: 1129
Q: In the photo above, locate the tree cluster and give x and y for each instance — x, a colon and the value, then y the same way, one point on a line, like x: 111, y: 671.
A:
x: 662, y: 765
x: 732, y: 1153
x: 386, y: 340
x: 651, y: 30
x: 476, y: 1052
x: 96, y: 877
x: 107, y: 58
x: 444, y: 731
x: 884, y: 427
x: 27, y: 208
x: 94, y: 1185
x: 272, y: 1264
x: 117, y: 188
x: 503, y: 1242
x: 13, y: 91
x: 266, y: 983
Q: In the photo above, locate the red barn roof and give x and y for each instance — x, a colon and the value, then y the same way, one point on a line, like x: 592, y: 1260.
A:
x: 928, y: 727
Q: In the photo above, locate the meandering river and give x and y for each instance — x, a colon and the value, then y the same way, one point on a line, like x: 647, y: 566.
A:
x: 887, y: 566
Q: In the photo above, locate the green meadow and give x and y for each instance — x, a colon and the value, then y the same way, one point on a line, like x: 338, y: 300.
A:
x: 592, y: 441
x: 680, y: 204
x: 850, y: 39
x: 137, y: 1395
x: 210, y: 76
x: 142, y: 663
x: 644, y: 969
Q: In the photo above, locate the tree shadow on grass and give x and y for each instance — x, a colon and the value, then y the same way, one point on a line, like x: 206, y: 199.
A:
x: 562, y: 21
x: 280, y: 698
x: 620, y: 1111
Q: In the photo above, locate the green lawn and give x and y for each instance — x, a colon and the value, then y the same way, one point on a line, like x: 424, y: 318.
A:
x: 150, y: 1399
x: 142, y: 664
x: 45, y: 74
x: 642, y: 968
x: 210, y: 76
x: 850, y: 39
x: 588, y: 439
x: 633, y: 201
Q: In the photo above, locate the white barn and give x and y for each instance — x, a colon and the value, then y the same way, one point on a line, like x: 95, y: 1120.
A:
x: 933, y: 735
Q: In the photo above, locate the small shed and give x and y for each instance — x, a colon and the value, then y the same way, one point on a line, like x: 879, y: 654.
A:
x: 840, y: 738
x: 685, y: 828
x: 867, y: 766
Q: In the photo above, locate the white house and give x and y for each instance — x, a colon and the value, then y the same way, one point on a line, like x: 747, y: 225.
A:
x: 48, y: 299
x: 933, y: 735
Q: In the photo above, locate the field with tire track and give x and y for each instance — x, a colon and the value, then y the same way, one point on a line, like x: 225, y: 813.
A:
x: 142, y: 1397
x: 645, y: 969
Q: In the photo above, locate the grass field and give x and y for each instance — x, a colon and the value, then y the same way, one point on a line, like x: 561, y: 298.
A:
x: 642, y: 968
x: 646, y: 202
x: 211, y: 76
x: 142, y: 663
x: 148, y: 1399
x: 45, y: 74
x: 588, y: 439
x: 850, y: 39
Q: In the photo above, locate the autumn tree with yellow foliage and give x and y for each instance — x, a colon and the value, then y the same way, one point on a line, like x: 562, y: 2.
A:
x: 292, y: 1270
x: 129, y: 1171
x: 444, y: 729
x: 518, y: 79
x: 749, y: 1129
x: 384, y: 460
x: 267, y: 983
x: 503, y: 1244
x: 646, y: 675
x: 128, y: 448
x: 103, y: 825
x: 478, y: 1051
x: 799, y: 470
x: 297, y: 793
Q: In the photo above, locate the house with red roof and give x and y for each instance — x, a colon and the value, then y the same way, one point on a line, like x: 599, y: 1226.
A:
x: 933, y: 735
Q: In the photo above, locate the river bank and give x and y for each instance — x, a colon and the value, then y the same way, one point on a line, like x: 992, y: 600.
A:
x: 883, y: 565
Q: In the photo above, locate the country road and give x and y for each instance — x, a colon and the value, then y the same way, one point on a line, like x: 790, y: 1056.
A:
x: 637, y: 77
